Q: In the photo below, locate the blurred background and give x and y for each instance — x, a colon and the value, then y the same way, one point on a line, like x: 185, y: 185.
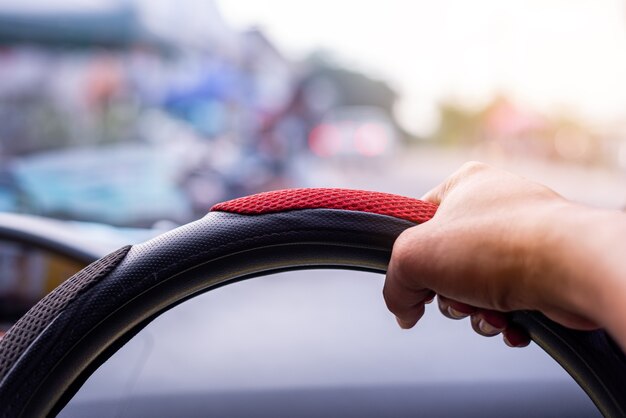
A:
x: 136, y: 112
x: 127, y: 118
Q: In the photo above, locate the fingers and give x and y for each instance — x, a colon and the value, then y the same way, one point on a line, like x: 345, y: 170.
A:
x: 406, y: 304
x: 453, y: 309
x: 485, y: 322
x: 409, y: 319
x: 488, y: 323
x: 515, y: 337
x: 403, y: 295
x: 435, y: 195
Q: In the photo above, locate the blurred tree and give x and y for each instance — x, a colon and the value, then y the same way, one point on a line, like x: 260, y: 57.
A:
x: 458, y: 125
x: 503, y: 127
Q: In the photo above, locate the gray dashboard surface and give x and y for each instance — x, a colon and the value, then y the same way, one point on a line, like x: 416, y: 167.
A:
x: 314, y: 343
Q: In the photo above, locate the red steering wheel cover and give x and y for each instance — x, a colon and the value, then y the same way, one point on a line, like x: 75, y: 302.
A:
x: 322, y: 198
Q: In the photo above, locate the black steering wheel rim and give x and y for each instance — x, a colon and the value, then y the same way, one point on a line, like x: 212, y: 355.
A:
x: 50, y: 352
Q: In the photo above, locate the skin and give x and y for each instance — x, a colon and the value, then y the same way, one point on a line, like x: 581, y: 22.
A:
x: 500, y: 243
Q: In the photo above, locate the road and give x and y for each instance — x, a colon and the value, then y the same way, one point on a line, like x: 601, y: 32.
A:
x: 415, y: 171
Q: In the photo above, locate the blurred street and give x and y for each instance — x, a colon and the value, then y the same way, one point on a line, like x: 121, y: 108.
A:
x: 413, y: 172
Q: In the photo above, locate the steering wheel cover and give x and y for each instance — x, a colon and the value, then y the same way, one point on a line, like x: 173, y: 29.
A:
x: 143, y: 281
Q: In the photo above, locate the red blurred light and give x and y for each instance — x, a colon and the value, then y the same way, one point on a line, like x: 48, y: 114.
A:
x: 325, y: 140
x: 371, y: 139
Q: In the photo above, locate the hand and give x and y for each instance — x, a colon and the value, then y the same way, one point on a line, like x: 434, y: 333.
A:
x: 495, y: 245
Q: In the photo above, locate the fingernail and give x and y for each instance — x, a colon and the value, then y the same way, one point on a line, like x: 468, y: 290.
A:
x: 506, y: 341
x: 456, y: 314
x: 487, y: 328
x: 515, y: 344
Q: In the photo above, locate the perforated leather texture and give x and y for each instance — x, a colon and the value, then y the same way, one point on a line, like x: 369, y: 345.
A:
x: 354, y: 200
x: 24, y: 332
x: 154, y: 262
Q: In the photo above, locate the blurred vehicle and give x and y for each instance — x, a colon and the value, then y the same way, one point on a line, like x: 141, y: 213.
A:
x: 145, y: 113
x: 354, y: 133
x: 127, y: 185
x: 10, y: 194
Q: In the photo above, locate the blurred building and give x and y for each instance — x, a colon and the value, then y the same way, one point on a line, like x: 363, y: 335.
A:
x: 128, y: 82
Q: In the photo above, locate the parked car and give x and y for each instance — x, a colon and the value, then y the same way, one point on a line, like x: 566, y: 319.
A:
x: 354, y: 133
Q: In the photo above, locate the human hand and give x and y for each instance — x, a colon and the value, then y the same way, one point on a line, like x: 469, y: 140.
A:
x: 491, y: 248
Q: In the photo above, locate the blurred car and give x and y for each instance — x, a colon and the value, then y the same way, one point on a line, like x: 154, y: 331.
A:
x: 137, y: 180
x: 9, y: 192
x: 354, y: 132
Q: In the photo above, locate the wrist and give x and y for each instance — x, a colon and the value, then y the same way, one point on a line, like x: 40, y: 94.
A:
x: 584, y: 265
x: 607, y: 247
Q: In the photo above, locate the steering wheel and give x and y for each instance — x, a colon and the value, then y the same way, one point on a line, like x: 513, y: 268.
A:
x: 50, y: 352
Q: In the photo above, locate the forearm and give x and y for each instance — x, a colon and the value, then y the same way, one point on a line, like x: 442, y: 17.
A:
x: 609, y: 251
x: 590, y: 253
x: 613, y: 312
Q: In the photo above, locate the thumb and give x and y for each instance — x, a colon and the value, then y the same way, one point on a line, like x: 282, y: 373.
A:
x: 437, y: 194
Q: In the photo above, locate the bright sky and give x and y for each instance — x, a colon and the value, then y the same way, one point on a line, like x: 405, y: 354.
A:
x: 551, y: 54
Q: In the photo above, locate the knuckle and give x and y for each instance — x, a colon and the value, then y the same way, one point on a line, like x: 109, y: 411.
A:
x: 397, y: 273
x: 402, y: 255
x: 464, y: 173
x: 390, y: 293
x: 402, y: 246
x: 414, y: 256
x: 388, y: 300
x: 471, y: 167
x: 501, y: 295
x: 391, y: 302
